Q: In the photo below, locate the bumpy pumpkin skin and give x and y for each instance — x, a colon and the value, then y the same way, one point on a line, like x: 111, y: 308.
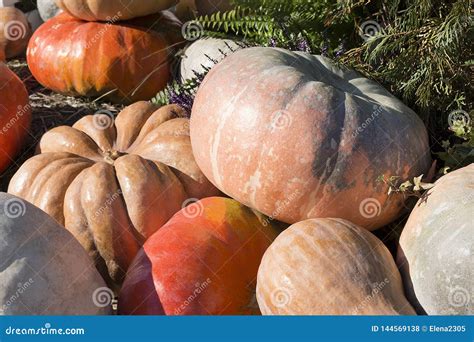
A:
x: 436, y: 246
x: 204, y: 261
x: 282, y: 137
x: 45, y: 271
x: 122, y: 60
x: 329, y: 267
x: 104, y: 10
x: 114, y: 185
x: 15, y: 31
x: 15, y: 115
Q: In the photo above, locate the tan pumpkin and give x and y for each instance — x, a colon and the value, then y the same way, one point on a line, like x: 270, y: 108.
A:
x: 295, y: 137
x: 15, y: 31
x: 113, y: 10
x: 329, y: 267
x: 113, y: 184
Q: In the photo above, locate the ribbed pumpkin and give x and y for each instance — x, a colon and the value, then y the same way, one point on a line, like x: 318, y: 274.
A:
x: 15, y: 31
x: 204, y: 261
x: 15, y: 115
x: 329, y: 267
x: 436, y: 247
x: 114, y: 184
x: 104, y: 10
x: 123, y: 60
x: 293, y: 136
x: 45, y: 271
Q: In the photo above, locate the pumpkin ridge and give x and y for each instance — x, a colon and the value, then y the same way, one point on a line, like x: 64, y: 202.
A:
x: 39, y: 183
x: 110, y: 222
x: 327, y: 157
x: 92, y: 248
x: 324, y: 225
x: 70, y: 140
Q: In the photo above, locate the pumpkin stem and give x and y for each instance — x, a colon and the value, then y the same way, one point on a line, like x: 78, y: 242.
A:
x: 111, y: 156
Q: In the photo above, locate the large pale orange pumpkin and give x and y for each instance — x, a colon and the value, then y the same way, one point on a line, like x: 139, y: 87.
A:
x: 114, y: 184
x: 15, y: 31
x: 105, y: 10
x: 15, y: 115
x: 329, y: 267
x: 294, y: 137
x: 204, y: 261
x: 123, y: 60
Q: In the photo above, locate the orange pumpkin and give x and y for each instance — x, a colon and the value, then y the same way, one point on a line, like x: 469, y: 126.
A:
x: 122, y: 60
x: 204, y: 261
x: 105, y: 10
x: 15, y: 115
x: 329, y: 267
x: 295, y: 137
x: 113, y: 184
x: 15, y: 31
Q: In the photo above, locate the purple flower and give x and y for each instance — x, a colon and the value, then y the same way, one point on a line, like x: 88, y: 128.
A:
x: 341, y: 49
x: 303, y: 45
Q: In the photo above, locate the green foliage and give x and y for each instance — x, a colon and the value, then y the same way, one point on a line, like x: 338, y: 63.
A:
x: 315, y: 26
x: 459, y: 150
x: 423, y: 53
x: 178, y: 92
x: 421, y: 50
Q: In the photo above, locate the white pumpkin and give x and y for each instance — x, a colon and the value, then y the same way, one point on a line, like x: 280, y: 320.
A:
x: 200, y: 55
x: 436, y: 247
x: 45, y: 271
x: 48, y: 9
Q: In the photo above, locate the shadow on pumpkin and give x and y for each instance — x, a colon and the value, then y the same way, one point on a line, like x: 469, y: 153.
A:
x: 404, y: 268
x: 143, y: 300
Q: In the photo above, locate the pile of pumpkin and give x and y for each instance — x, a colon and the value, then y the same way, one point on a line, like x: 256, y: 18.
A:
x: 263, y: 202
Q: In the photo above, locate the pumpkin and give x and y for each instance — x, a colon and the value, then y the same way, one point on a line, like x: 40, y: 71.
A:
x: 200, y: 55
x: 48, y: 9
x: 15, y: 115
x: 436, y: 245
x: 113, y: 184
x: 204, y: 261
x: 45, y: 271
x: 329, y: 266
x: 15, y: 31
x: 105, y: 10
x: 293, y: 136
x: 123, y: 61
